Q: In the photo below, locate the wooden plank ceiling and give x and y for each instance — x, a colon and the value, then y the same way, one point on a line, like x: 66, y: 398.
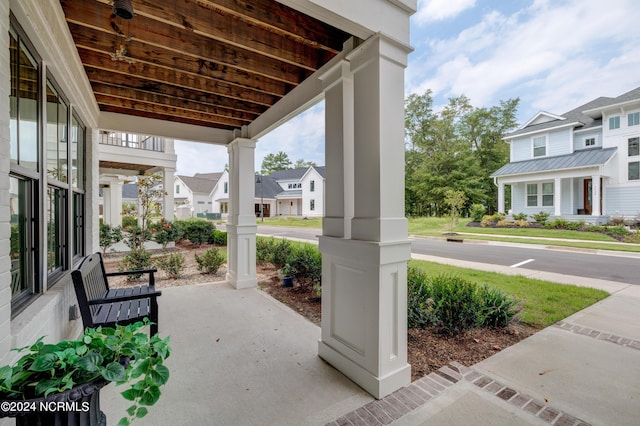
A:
x: 213, y: 63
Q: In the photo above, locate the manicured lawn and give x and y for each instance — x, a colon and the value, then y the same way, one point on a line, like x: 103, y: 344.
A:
x: 544, y: 302
x: 315, y: 222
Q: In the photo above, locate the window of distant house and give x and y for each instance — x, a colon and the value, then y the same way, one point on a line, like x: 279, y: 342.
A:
x: 540, y: 146
x: 590, y: 142
x: 634, y: 170
x: 634, y: 146
x: 614, y: 122
x: 200, y: 202
x: 633, y: 119
x: 177, y: 189
x: 226, y: 187
x: 312, y: 186
x: 547, y: 194
x: 532, y: 194
x: 312, y: 205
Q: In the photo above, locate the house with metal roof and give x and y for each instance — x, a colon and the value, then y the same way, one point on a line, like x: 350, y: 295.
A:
x: 294, y: 192
x: 580, y: 165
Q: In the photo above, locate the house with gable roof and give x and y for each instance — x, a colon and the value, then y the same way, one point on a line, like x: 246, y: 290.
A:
x: 192, y: 192
x: 580, y: 165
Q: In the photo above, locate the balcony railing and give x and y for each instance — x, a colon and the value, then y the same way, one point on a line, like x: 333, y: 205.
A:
x: 131, y: 140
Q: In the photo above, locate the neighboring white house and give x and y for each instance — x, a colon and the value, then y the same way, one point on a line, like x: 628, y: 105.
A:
x: 581, y: 165
x: 297, y: 192
x: 192, y: 193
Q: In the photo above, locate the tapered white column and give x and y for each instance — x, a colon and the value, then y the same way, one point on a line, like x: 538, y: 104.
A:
x: 557, y: 197
x: 595, y: 195
x: 501, y: 208
x: 241, y: 222
x: 339, y: 190
x: 364, y: 291
x: 112, y: 201
x: 168, y: 200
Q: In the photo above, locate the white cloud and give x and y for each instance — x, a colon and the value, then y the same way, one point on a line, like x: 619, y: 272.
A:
x: 576, y: 48
x: 439, y: 10
x: 194, y: 157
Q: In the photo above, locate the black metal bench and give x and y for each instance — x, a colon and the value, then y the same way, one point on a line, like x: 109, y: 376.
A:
x: 100, y: 305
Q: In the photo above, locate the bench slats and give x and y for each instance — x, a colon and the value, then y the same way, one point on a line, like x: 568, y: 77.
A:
x: 100, y: 305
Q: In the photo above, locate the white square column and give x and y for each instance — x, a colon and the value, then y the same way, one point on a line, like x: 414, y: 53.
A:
x: 168, y: 204
x: 241, y: 222
x: 501, y: 208
x: 364, y: 276
x: 596, y: 195
x: 557, y: 197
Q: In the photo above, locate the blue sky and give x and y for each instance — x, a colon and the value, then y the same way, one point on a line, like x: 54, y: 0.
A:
x: 553, y: 54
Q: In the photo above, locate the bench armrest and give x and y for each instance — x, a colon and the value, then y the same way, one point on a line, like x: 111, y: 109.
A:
x: 141, y: 271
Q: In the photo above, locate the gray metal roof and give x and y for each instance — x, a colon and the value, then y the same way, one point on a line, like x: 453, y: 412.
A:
x: 297, y: 193
x: 266, y: 187
x: 322, y: 170
x: 289, y: 174
x: 198, y: 185
x: 583, y: 158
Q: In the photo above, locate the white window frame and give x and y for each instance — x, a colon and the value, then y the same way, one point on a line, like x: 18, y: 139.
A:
x: 534, y: 147
x: 591, y: 141
x: 540, y: 194
x: 614, y: 122
x: 633, y: 119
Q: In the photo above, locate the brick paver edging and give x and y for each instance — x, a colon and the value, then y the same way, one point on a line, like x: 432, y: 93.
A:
x: 384, y: 411
x: 600, y: 335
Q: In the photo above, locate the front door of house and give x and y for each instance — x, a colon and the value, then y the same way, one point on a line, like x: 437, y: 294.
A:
x: 588, y: 195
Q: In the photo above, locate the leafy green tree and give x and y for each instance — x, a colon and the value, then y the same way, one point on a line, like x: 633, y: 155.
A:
x: 273, y: 162
x: 455, y: 200
x: 301, y: 164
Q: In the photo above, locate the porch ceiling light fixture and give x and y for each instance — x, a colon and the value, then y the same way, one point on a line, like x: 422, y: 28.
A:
x: 123, y: 9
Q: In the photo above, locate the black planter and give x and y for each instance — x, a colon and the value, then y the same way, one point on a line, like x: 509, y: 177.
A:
x: 287, y: 282
x: 79, y: 406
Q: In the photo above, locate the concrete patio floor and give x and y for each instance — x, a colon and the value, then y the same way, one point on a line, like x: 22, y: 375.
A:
x: 240, y: 358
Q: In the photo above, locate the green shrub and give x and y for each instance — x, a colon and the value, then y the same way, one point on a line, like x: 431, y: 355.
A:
x: 165, y: 232
x: 210, y: 261
x: 595, y: 228
x: 264, y: 249
x: 108, y: 236
x: 455, y: 304
x: 521, y: 223
x: 476, y: 212
x: 137, y: 259
x: 171, y: 264
x: 306, y: 261
x: 419, y: 302
x: 520, y: 216
x: 280, y: 253
x: 488, y: 220
x: 136, y: 237
x: 196, y: 230
x: 218, y: 237
x: 557, y: 223
x: 575, y: 226
x: 504, y: 224
x: 129, y: 221
x: 541, y: 217
x: 497, y: 308
x: 619, y: 230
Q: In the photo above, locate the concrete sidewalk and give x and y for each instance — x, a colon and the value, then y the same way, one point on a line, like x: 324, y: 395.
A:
x: 242, y: 358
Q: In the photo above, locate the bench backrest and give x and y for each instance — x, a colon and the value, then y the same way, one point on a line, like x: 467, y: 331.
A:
x: 90, y: 283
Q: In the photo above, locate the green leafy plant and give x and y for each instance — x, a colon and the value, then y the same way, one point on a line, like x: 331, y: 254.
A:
x: 109, y: 236
x: 165, y: 232
x: 210, y: 261
x: 286, y: 271
x: 497, y: 308
x: 218, y: 237
x: 455, y: 305
x: 477, y: 211
x: 520, y: 216
x: 419, y: 302
x: 306, y: 264
x: 136, y: 259
x: 541, y: 217
x: 123, y: 355
x: 264, y: 249
x: 171, y: 264
x: 521, y: 223
x: 280, y: 253
x: 198, y: 231
x: 488, y: 221
x: 129, y: 221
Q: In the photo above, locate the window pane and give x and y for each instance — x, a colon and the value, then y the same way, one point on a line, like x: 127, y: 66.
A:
x: 634, y: 119
x: 14, y: 52
x: 78, y: 225
x: 614, y: 122
x: 634, y: 146
x: 634, y: 170
x: 547, y: 200
x: 63, y: 117
x: 547, y: 188
x: 532, y: 189
x: 539, y: 146
x: 19, y: 247
x: 54, y: 226
x: 532, y: 200
x: 27, y: 111
x: 77, y: 153
x: 52, y: 133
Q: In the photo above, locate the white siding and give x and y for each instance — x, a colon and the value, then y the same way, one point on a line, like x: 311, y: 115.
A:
x: 622, y: 200
x: 517, y: 197
x: 579, y: 138
x: 565, y: 202
x: 521, y: 149
x: 558, y: 142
